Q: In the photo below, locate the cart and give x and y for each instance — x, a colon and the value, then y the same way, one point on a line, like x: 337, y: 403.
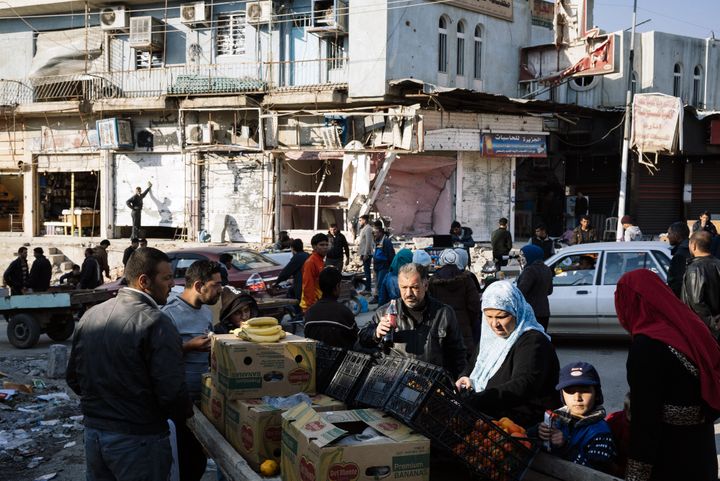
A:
x: 234, y: 467
x: 51, y: 313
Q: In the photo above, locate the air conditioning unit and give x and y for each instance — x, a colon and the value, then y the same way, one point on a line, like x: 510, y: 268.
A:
x: 198, y: 134
x: 114, y: 18
x: 329, y: 17
x: 146, y: 33
x: 194, y: 13
x: 258, y: 12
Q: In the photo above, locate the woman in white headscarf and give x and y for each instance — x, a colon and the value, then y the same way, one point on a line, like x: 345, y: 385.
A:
x: 454, y: 286
x: 516, y: 367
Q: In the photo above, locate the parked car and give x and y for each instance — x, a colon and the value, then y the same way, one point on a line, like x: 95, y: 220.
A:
x: 583, y: 298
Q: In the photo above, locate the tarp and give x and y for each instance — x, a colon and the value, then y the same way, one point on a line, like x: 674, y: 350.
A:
x: 66, y: 52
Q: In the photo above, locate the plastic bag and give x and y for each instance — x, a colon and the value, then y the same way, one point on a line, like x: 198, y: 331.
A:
x: 287, y: 402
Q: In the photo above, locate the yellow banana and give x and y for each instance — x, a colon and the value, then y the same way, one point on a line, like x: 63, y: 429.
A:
x: 264, y: 331
x: 256, y: 338
x: 261, y: 322
x: 283, y: 334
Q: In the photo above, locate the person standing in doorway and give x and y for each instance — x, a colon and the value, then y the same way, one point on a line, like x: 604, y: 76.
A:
x: 134, y: 243
x: 40, y: 272
x: 383, y: 255
x: 501, y: 241
x: 126, y: 365
x: 17, y: 274
x: 311, y: 271
x: 632, y: 232
x: 366, y: 249
x: 701, y: 284
x: 338, y: 248
x: 584, y: 233
x: 135, y: 203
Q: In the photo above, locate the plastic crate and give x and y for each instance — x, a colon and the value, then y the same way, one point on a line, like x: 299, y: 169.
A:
x: 415, y: 384
x: 328, y: 360
x: 350, y: 377
x: 487, y: 450
x: 381, y: 382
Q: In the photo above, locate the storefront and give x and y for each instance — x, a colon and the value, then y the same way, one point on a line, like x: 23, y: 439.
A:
x: 11, y: 202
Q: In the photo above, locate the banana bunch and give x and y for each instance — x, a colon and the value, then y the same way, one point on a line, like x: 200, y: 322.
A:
x: 260, y: 329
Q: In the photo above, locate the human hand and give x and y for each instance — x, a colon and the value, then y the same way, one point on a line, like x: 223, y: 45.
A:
x: 149, y: 184
x: 199, y: 343
x: 554, y: 435
x: 463, y: 384
x: 383, y: 327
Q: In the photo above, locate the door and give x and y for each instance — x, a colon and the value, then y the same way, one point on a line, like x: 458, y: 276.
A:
x: 574, y: 297
x: 615, y: 265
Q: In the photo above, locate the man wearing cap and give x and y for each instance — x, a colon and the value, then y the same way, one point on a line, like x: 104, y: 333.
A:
x: 632, y: 232
x: 578, y: 432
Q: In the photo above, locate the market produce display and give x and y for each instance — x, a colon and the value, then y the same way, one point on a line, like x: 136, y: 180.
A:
x: 260, y: 329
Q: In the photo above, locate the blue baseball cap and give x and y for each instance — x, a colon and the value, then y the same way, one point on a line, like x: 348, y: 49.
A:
x: 580, y: 374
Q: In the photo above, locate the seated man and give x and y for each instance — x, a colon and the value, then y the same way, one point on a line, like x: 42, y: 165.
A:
x: 426, y: 328
x: 328, y: 320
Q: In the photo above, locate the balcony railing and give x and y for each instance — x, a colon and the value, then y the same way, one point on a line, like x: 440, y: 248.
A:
x: 184, y: 80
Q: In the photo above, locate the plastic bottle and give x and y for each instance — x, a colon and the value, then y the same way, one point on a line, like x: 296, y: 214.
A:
x: 391, y: 313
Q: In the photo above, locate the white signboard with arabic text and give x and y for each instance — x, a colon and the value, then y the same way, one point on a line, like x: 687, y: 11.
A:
x: 657, y: 123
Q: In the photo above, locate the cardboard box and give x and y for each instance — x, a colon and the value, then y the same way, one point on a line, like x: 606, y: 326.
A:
x: 247, y: 370
x: 311, y: 450
x: 212, y: 403
x: 254, y: 428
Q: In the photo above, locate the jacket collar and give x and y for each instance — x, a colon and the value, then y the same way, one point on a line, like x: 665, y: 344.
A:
x: 139, y: 295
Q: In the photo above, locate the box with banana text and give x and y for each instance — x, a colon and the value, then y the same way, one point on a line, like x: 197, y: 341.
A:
x: 212, y: 403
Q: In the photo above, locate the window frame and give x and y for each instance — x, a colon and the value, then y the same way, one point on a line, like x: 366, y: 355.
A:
x: 697, y: 98
x: 460, y: 49
x: 677, y: 80
x: 442, y: 51
x: 647, y: 261
x: 236, y: 34
x: 477, y: 51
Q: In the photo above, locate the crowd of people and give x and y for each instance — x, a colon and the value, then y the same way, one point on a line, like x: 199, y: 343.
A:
x: 137, y: 359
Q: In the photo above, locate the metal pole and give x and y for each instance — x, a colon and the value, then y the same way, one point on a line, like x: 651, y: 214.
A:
x: 628, y: 125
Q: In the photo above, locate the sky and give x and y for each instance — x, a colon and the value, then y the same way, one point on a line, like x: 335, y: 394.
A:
x: 694, y: 18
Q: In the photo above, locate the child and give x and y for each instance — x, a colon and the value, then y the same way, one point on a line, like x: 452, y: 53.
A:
x: 579, y: 432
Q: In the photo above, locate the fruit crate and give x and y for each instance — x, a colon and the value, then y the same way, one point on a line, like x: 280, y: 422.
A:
x: 414, y: 386
x: 350, y: 377
x: 485, y: 448
x: 381, y: 382
x: 328, y: 360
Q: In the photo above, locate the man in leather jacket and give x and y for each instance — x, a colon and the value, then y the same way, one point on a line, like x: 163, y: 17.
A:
x: 426, y: 328
x: 678, y: 237
x: 701, y: 285
x: 126, y: 365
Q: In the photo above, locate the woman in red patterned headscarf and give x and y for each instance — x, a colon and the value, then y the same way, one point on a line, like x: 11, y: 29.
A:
x: 673, y: 369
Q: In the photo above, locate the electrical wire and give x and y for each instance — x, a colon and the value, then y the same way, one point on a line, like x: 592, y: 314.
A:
x: 309, y: 174
x: 607, y: 134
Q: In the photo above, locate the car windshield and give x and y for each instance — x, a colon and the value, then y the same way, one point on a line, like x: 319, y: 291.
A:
x: 247, y: 260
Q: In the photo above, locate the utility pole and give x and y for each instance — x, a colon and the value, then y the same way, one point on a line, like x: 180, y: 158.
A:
x: 628, y: 126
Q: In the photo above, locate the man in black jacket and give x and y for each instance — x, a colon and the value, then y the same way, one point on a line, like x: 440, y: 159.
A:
x: 90, y: 275
x: 17, y: 274
x: 426, y: 329
x: 338, y: 248
x: 294, y: 268
x: 134, y: 243
x: 126, y: 365
x: 40, y: 272
x: 328, y: 320
x: 701, y: 285
x: 136, y: 204
x: 677, y: 236
x: 543, y: 241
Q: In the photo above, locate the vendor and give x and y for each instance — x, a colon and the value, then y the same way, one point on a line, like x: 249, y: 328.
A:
x: 516, y: 367
x: 236, y: 306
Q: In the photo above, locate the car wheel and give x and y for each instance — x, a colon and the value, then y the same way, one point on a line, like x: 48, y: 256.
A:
x: 61, y: 329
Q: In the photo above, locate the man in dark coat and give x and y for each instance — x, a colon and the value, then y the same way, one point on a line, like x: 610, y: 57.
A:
x: 339, y: 249
x: 90, y: 274
x: 543, y: 241
x: 678, y: 237
x: 535, y: 283
x: 135, y: 203
x: 40, y: 272
x: 701, y: 284
x: 294, y: 269
x: 134, y: 243
x: 328, y: 320
x: 501, y: 241
x: 426, y: 329
x: 16, y: 276
x: 462, y: 235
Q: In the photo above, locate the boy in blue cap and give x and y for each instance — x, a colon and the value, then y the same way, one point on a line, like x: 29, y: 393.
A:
x: 579, y: 432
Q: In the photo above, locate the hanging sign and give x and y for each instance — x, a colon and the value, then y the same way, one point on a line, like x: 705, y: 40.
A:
x: 657, y: 123
x: 114, y: 133
x: 514, y: 145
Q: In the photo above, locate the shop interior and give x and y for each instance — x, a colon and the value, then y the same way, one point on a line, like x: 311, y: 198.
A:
x: 11, y: 206
x: 70, y: 203
x: 540, y: 196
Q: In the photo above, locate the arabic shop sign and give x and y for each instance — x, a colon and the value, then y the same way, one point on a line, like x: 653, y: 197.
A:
x: 514, y: 145
x: 657, y: 123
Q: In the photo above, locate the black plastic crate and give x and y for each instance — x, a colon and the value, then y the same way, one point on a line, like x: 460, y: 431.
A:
x: 414, y: 386
x: 381, y: 382
x: 328, y: 360
x: 485, y: 448
x: 350, y: 377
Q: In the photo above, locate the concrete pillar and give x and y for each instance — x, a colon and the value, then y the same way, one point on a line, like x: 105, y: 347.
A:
x: 57, y: 361
x: 107, y: 194
x: 30, y: 193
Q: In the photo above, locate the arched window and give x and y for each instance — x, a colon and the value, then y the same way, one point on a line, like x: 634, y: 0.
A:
x: 477, y: 52
x: 677, y: 80
x: 442, y: 45
x: 460, y: 56
x: 697, y: 98
x: 634, y: 82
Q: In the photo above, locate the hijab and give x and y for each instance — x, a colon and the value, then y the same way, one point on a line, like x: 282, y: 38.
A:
x: 532, y: 253
x: 421, y: 257
x: 448, y: 257
x: 646, y: 305
x: 462, y: 260
x: 404, y: 256
x: 493, y: 349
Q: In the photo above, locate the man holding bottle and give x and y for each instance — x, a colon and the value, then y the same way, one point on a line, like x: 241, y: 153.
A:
x: 425, y: 329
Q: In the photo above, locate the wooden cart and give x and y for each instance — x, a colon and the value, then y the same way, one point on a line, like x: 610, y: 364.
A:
x: 51, y: 313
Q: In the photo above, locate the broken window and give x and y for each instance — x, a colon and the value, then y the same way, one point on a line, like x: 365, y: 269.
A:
x: 231, y: 34
x: 148, y: 59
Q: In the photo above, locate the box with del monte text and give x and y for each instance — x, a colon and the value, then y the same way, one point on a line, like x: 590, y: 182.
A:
x: 212, y: 403
x: 357, y: 445
x: 254, y: 428
x: 246, y: 370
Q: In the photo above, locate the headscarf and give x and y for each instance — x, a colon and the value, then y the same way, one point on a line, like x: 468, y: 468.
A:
x: 421, y: 257
x: 463, y: 258
x: 448, y: 257
x: 532, y: 253
x: 493, y: 349
x: 646, y: 305
x: 404, y: 256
